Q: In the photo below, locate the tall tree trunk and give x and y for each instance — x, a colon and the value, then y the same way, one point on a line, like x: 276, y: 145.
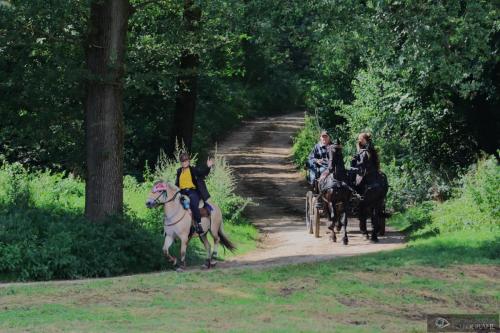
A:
x: 105, y: 53
x: 185, y: 104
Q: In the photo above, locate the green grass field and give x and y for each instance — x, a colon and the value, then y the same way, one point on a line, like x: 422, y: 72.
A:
x: 385, y: 292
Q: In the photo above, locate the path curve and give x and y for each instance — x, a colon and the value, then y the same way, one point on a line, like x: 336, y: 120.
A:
x: 260, y: 155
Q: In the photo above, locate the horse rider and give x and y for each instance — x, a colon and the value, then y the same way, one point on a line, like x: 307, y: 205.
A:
x: 191, y: 182
x: 317, y: 162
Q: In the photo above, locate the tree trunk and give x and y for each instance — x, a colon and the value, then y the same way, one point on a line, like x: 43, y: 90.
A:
x: 185, y: 104
x: 105, y: 51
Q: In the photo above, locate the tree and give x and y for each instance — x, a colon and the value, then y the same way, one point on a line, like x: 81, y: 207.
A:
x: 185, y: 104
x: 105, y: 51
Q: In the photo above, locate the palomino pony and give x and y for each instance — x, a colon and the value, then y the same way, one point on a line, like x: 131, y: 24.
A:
x: 178, y: 222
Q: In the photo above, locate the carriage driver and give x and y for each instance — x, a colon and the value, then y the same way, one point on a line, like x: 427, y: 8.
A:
x: 317, y: 162
x: 191, y: 182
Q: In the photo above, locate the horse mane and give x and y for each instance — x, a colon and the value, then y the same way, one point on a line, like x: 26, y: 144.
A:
x: 172, y: 187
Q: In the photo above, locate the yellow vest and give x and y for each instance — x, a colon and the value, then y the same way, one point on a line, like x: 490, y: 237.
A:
x: 185, y: 179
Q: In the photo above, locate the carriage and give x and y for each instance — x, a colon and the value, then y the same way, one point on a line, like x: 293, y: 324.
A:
x: 314, y: 212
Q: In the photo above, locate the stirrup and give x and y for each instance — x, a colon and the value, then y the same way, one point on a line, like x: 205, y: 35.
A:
x: 199, y: 228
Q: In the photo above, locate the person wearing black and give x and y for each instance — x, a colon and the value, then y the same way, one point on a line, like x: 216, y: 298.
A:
x: 191, y: 182
x: 368, y: 181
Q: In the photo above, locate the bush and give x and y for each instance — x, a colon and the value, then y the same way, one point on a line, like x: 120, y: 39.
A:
x: 40, y: 245
x: 220, y: 182
x: 305, y: 141
x: 43, y: 234
x: 474, y: 207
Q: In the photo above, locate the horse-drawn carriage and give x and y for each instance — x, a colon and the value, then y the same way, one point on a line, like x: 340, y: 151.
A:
x: 337, y: 211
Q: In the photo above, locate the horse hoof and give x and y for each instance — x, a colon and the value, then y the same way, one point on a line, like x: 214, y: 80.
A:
x: 346, y: 241
x: 213, y: 262
x: 374, y: 240
x: 179, y: 269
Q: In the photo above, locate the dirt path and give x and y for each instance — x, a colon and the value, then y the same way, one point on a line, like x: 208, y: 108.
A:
x: 260, y: 155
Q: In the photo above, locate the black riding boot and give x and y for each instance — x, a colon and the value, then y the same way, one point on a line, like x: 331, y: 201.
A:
x: 198, y: 227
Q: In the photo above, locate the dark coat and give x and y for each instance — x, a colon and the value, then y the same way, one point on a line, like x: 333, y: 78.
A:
x: 198, y: 175
x: 319, y: 151
x: 366, y: 168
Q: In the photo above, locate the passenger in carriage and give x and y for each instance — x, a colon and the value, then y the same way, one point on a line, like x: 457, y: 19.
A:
x: 368, y: 181
x: 191, y: 182
x: 317, y: 162
x: 365, y: 163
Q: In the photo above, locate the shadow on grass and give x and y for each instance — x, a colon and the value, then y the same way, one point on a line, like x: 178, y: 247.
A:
x: 441, y: 251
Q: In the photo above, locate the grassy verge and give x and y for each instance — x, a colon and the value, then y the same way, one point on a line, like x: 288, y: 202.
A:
x: 44, y: 236
x: 385, y: 292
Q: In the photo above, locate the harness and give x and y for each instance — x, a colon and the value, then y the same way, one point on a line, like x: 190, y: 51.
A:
x: 165, y: 193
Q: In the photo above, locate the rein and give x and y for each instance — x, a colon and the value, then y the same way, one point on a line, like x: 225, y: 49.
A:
x: 157, y: 201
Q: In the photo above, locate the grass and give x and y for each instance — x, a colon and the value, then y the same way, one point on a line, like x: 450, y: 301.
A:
x: 384, y: 292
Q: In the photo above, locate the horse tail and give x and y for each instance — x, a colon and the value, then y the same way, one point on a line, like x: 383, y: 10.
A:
x: 226, y: 242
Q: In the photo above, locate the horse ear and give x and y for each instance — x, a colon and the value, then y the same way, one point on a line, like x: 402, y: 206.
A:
x: 159, y: 186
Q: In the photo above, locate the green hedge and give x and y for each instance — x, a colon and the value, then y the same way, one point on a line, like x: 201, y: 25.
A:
x: 474, y: 206
x: 43, y: 234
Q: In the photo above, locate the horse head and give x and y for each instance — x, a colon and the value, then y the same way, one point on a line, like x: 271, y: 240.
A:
x: 159, y: 194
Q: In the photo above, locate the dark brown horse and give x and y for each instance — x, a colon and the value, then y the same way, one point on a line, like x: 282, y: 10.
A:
x: 335, y: 192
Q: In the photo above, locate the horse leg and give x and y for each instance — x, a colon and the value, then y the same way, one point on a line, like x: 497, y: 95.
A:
x: 335, y: 221
x: 344, y: 222
x: 184, y: 242
x: 375, y: 224
x: 216, y: 245
x: 206, y: 243
x: 166, y: 245
x: 362, y: 220
x: 331, y: 216
x: 215, y: 227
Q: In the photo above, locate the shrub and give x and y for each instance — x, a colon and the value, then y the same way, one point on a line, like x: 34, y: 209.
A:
x: 36, y: 244
x: 474, y: 207
x: 305, y: 141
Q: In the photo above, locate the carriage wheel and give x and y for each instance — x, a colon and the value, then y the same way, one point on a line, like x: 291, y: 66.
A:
x: 316, y: 222
x: 309, y: 212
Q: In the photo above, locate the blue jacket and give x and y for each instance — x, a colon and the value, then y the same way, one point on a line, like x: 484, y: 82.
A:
x: 319, y: 151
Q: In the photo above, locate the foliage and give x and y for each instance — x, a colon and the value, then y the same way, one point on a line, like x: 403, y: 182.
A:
x: 305, y: 141
x: 419, y: 76
x: 44, y: 236
x: 244, y: 71
x: 474, y: 207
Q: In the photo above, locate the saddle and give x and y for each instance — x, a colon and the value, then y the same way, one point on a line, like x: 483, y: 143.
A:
x: 204, y: 207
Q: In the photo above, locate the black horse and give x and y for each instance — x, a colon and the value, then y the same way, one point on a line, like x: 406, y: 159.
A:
x: 336, y: 195
x: 371, y: 203
x: 335, y: 192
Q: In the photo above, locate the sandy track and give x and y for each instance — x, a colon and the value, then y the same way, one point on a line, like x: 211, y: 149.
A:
x: 260, y: 154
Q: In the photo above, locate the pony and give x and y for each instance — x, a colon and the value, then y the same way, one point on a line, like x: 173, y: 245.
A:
x: 335, y: 192
x: 371, y: 204
x: 177, y: 224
